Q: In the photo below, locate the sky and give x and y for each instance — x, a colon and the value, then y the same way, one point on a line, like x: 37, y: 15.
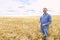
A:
x: 28, y: 7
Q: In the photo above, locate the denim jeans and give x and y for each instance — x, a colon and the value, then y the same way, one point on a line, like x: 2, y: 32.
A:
x: 44, y: 30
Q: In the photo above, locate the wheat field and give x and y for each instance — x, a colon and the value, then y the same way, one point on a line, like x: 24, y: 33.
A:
x: 27, y: 28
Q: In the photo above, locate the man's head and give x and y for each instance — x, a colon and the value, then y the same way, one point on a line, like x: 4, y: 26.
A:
x: 45, y: 10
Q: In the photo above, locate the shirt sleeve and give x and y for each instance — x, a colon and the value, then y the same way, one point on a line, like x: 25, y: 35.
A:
x: 49, y: 20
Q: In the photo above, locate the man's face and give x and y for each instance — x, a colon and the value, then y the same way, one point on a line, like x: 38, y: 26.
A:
x: 45, y: 10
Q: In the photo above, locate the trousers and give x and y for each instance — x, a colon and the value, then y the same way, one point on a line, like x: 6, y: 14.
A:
x: 44, y: 30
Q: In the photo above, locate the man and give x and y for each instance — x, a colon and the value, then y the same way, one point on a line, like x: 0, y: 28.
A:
x: 45, y: 21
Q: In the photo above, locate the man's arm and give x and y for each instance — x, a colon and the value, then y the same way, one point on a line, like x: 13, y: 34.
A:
x: 49, y: 20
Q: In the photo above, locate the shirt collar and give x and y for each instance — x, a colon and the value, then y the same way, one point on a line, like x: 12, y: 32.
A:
x: 45, y: 14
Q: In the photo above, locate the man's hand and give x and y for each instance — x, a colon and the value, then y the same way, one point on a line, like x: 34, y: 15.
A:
x: 43, y: 24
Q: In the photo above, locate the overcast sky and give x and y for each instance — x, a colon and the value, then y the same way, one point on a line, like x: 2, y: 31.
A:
x: 28, y: 7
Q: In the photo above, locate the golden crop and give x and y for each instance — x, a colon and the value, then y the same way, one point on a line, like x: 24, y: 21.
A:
x: 27, y: 28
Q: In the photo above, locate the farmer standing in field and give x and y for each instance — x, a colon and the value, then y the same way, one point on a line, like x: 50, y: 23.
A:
x: 45, y: 21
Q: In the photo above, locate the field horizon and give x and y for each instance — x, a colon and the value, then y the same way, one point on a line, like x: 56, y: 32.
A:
x: 27, y: 28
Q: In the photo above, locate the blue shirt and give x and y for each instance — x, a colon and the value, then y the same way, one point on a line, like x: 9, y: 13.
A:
x: 45, y: 19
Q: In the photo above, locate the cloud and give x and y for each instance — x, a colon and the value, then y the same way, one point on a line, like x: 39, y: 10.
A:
x: 25, y: 2
x: 28, y: 7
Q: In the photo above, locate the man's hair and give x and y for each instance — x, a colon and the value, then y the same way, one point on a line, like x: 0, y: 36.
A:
x: 45, y: 8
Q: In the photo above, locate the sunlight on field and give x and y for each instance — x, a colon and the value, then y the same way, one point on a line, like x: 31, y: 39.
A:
x: 27, y: 28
